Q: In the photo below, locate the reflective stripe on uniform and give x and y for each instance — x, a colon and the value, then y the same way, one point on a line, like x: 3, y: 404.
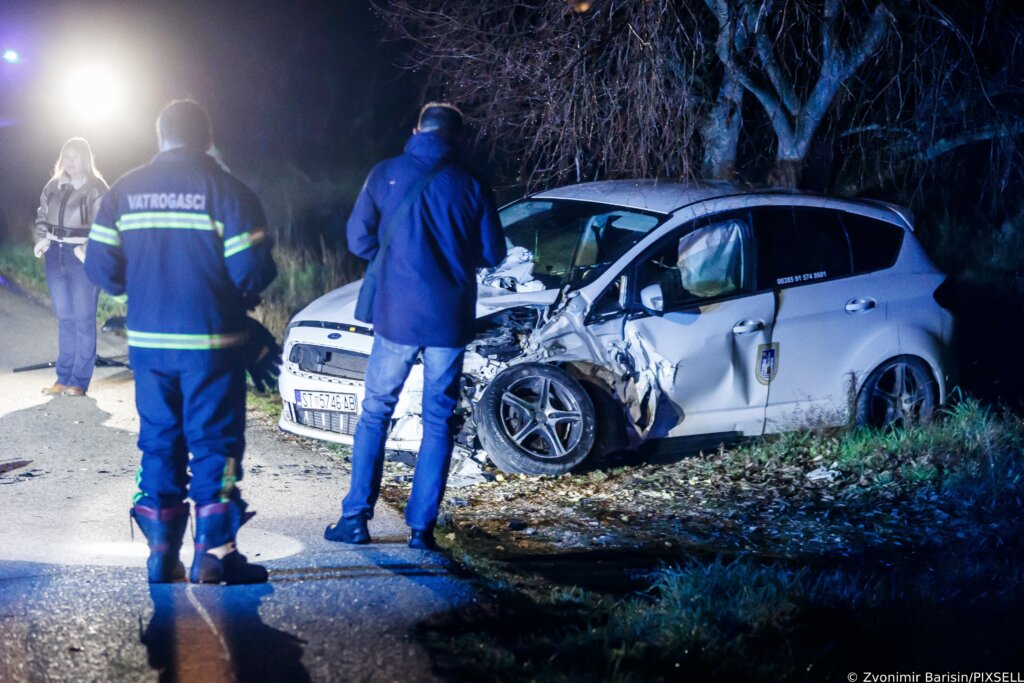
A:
x: 228, y: 479
x: 168, y: 220
x: 139, y: 495
x: 185, y: 342
x: 104, y: 235
x: 238, y: 243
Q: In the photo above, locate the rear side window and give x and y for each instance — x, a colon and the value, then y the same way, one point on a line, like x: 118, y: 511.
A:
x: 875, y: 244
x: 797, y: 245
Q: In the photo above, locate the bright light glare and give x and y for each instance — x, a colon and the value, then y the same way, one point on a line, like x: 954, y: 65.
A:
x: 93, y: 92
x: 11, y: 56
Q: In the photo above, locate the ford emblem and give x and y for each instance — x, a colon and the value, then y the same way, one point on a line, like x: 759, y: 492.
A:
x: 334, y: 335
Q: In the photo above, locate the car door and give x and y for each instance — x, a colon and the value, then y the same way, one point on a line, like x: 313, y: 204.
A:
x: 827, y: 314
x: 701, y: 351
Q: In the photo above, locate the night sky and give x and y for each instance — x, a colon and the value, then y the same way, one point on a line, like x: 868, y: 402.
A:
x: 313, y: 86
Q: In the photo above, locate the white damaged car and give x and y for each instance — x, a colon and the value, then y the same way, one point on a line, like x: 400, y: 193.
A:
x: 631, y: 311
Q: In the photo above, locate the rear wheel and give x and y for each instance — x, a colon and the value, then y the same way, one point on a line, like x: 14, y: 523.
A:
x: 535, y: 419
x: 899, y: 393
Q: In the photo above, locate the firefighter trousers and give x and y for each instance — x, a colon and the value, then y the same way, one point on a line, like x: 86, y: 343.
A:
x: 182, y: 412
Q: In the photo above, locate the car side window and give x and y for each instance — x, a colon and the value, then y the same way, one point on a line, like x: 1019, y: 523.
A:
x: 706, y: 262
x: 611, y: 302
x: 875, y: 244
x: 797, y: 245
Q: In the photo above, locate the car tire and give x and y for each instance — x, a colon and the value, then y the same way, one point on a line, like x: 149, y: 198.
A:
x: 898, y: 393
x: 535, y: 419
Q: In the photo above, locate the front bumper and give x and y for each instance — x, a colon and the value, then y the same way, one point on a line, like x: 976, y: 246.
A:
x: 339, y: 427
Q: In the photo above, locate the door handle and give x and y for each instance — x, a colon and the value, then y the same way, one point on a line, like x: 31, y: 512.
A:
x: 860, y: 305
x: 748, y: 326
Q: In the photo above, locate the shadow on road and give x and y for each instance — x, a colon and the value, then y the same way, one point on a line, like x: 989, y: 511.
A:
x: 215, y: 633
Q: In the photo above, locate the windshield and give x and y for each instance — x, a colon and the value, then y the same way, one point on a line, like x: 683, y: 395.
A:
x: 573, y: 242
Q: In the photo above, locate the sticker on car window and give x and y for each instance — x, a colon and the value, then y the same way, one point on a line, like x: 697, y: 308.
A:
x: 806, y: 277
x: 767, y: 362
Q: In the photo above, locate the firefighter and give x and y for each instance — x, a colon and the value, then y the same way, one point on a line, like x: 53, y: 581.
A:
x: 187, y: 242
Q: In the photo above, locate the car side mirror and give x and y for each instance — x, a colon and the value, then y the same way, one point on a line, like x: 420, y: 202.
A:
x: 652, y: 299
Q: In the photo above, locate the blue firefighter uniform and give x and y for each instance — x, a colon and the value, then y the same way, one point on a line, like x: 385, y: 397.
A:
x: 188, y: 243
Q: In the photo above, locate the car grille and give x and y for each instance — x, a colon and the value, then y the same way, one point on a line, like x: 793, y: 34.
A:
x: 323, y: 360
x: 340, y: 423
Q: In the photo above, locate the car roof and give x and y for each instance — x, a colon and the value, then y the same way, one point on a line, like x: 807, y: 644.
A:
x: 661, y: 196
x: 665, y: 196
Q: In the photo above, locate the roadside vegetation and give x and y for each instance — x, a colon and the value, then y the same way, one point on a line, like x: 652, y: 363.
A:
x: 799, y: 557
x: 303, y: 275
x: 20, y: 266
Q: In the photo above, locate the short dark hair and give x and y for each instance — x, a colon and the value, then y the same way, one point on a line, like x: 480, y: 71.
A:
x: 185, y: 123
x: 440, y: 117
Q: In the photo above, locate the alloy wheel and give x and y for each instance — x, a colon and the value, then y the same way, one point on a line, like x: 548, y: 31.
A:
x: 900, y: 396
x: 541, y: 417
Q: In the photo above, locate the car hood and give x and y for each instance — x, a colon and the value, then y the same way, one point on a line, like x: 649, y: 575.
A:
x: 338, y: 306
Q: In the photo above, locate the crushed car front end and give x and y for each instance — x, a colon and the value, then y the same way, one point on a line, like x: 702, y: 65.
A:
x: 556, y: 246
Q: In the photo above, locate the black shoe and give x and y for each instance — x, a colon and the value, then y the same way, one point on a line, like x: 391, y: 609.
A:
x: 349, y: 530
x: 422, y: 540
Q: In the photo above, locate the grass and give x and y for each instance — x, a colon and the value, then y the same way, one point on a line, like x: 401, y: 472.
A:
x: 303, y: 275
x: 746, y: 620
x: 268, y: 404
x: 19, y: 265
x: 940, y: 589
x: 971, y: 454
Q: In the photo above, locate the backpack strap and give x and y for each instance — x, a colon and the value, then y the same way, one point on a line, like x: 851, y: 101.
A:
x: 410, y: 197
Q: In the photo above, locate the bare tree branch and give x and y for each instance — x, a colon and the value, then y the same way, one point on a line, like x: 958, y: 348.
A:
x: 779, y: 80
x: 659, y: 88
x: 950, y: 144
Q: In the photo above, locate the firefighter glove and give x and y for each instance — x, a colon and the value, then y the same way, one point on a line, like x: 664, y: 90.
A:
x: 262, y: 356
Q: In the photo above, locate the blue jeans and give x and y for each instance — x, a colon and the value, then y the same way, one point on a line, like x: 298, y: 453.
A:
x: 74, y: 300
x: 388, y: 369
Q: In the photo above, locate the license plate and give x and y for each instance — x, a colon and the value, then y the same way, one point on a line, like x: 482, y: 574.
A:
x: 323, y: 400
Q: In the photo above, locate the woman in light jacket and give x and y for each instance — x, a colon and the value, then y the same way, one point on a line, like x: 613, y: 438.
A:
x: 66, y: 210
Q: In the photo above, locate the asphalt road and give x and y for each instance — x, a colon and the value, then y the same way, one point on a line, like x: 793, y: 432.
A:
x: 74, y: 603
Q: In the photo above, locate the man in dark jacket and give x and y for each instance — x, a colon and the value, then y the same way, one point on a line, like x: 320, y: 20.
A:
x: 425, y: 305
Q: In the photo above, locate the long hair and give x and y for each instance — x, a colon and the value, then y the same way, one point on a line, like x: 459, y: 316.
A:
x: 80, y: 145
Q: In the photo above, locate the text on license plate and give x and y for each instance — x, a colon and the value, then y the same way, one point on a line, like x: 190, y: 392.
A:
x: 323, y: 400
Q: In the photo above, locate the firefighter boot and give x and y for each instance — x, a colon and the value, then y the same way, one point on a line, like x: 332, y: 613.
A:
x: 164, y: 529
x: 217, y: 559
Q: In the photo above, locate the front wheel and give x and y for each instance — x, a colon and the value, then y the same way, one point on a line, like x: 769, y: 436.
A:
x: 535, y: 419
x: 899, y: 393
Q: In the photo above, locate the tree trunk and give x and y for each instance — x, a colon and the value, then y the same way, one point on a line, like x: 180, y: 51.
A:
x: 786, y: 171
x: 720, y: 131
